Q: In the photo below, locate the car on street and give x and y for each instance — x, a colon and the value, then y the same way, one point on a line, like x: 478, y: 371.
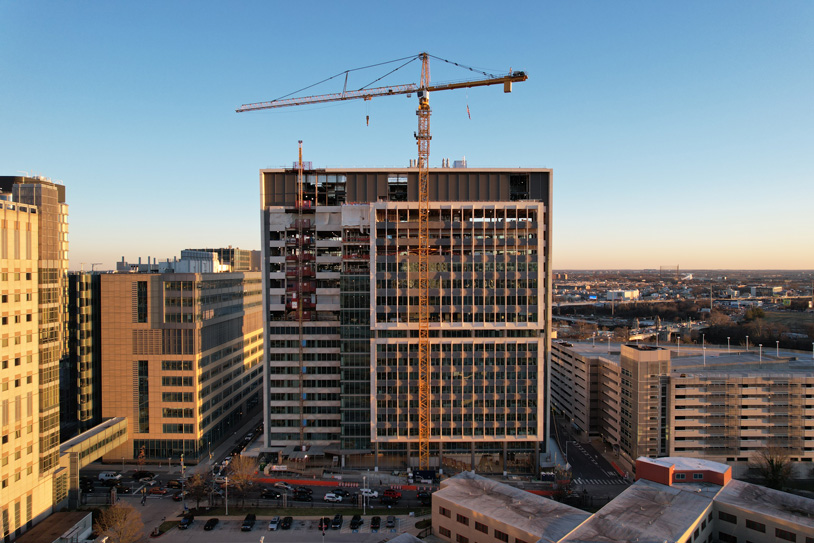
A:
x: 286, y: 523
x: 388, y: 500
x: 248, y: 522
x: 211, y: 523
x: 366, y: 492
x: 122, y: 489
x: 304, y: 490
x: 109, y: 475
x: 284, y: 485
x: 391, y: 522
x: 158, y: 490
x: 324, y: 523
x: 341, y: 492
x: 274, y: 523
x: 375, y: 523
x: 220, y: 479
x: 356, y: 522
x: 392, y: 493
x: 143, y: 475
x: 178, y: 496
x: 331, y: 497
x: 186, y: 521
x: 174, y: 483
x: 270, y: 494
x: 336, y: 523
x: 302, y: 497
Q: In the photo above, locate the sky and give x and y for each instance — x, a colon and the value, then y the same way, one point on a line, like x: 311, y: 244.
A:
x: 679, y: 133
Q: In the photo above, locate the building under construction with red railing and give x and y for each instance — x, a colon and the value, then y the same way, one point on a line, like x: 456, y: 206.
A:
x: 340, y: 267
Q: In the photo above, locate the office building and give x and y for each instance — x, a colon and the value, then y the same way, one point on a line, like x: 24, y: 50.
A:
x: 721, y: 405
x: 182, y: 357
x: 341, y: 299
x: 237, y: 260
x: 674, y: 499
x: 33, y: 262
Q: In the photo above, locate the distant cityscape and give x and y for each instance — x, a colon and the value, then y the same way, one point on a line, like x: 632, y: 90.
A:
x: 303, y: 360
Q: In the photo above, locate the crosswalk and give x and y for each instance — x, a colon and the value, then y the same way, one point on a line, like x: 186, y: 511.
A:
x: 612, y: 481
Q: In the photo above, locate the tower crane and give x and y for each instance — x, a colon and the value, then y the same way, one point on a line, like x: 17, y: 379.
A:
x: 422, y: 90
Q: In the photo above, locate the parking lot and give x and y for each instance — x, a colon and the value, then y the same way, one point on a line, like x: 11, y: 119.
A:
x: 303, y: 529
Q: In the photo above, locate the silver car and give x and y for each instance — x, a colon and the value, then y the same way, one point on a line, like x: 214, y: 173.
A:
x: 274, y: 523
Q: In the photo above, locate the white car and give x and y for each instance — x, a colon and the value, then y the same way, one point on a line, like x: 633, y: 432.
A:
x: 274, y: 523
x: 331, y: 497
x: 281, y: 484
x: 368, y: 493
x: 220, y: 479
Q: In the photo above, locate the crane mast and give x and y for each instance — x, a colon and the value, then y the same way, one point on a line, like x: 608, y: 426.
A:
x: 423, y: 141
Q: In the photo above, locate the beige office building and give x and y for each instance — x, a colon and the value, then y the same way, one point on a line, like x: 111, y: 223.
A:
x: 33, y: 262
x: 181, y: 359
x: 711, y: 404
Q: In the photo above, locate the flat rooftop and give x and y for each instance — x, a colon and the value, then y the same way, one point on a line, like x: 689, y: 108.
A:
x: 766, y: 501
x: 512, y: 506
x: 53, y: 527
x: 647, y: 511
x: 684, y: 463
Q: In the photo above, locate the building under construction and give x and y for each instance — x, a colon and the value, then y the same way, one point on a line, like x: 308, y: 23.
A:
x: 340, y: 263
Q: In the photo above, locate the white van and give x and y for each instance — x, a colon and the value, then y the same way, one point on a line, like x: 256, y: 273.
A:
x: 109, y: 476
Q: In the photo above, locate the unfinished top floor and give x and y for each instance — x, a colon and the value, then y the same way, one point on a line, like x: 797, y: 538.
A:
x: 333, y: 187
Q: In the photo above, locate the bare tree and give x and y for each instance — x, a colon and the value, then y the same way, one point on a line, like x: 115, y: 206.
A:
x: 242, y: 470
x: 772, y: 464
x: 196, y: 487
x: 121, y: 523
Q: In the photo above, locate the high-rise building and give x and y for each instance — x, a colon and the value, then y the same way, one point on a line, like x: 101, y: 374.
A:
x: 341, y: 300
x: 33, y: 263
x: 182, y: 357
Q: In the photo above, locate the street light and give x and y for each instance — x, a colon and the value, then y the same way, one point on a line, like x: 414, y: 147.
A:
x: 777, y: 352
x: 226, y: 488
x: 705, y: 355
x: 747, y: 344
x: 364, y: 502
x: 760, y: 357
x: 727, y: 345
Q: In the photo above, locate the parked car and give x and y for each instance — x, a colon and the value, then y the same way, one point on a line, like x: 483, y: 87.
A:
x: 392, y: 493
x: 158, y: 490
x: 375, y: 523
x: 368, y: 493
x: 186, y: 521
x: 331, y: 497
x: 174, y: 483
x: 248, y: 522
x: 211, y: 523
x: 324, y: 523
x: 286, y: 523
x: 391, y: 522
x: 122, y: 489
x: 274, y: 523
x: 424, y: 497
x: 341, y: 492
x: 356, y: 522
x: 337, y: 522
x: 220, y: 479
x: 270, y: 494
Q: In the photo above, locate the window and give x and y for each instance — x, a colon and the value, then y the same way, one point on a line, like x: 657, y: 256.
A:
x: 463, y: 520
x: 461, y: 539
x: 444, y: 511
x: 756, y: 526
x: 680, y: 476
x: 785, y: 535
x: 500, y: 536
x: 726, y: 517
x: 444, y: 531
x: 481, y: 527
x: 697, y: 476
x: 727, y: 538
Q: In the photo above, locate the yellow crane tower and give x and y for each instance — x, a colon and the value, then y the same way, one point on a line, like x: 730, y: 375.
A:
x: 423, y: 138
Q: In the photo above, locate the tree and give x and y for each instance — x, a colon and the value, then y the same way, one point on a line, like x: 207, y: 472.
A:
x: 121, y: 523
x: 196, y: 487
x: 242, y: 470
x: 773, y: 466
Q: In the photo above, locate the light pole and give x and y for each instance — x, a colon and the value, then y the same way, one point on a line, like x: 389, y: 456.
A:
x: 678, y: 345
x: 705, y: 355
x: 364, y: 496
x: 747, y: 344
x: 703, y: 341
x: 777, y: 352
x: 727, y: 345
x: 226, y: 487
x: 183, y: 480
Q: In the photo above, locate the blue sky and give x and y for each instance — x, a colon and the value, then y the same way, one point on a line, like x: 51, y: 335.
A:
x: 680, y: 133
